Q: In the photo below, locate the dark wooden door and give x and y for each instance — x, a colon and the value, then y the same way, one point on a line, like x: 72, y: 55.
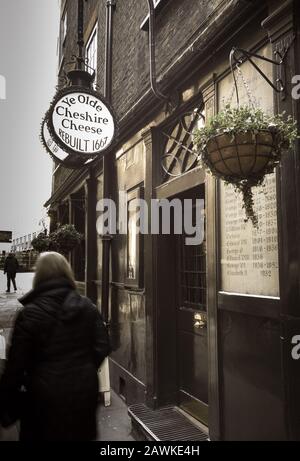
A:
x: 192, y: 330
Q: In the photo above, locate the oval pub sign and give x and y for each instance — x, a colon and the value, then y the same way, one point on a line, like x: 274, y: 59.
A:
x: 80, y: 122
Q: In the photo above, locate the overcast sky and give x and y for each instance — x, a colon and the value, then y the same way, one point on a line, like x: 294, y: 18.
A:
x: 28, y: 61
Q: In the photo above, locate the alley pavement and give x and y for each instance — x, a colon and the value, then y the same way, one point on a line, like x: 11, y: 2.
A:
x: 114, y: 424
x: 9, y: 304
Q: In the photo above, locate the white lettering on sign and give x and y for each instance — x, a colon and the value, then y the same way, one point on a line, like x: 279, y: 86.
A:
x: 51, y: 145
x: 83, y: 123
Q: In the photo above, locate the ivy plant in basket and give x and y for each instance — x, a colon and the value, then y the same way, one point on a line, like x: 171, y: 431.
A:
x: 41, y: 243
x: 65, y: 239
x: 242, y: 145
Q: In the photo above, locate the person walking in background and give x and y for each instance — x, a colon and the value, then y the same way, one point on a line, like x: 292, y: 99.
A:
x: 59, y: 341
x: 11, y: 267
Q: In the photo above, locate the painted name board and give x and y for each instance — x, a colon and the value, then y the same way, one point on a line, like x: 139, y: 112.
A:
x: 5, y: 237
x: 80, y: 122
x: 249, y: 257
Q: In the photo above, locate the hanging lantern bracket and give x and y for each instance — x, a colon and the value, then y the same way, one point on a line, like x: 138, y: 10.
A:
x: 80, y: 75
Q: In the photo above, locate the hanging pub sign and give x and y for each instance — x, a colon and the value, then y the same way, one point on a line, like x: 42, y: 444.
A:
x: 80, y: 122
x: 58, y: 154
x: 54, y: 150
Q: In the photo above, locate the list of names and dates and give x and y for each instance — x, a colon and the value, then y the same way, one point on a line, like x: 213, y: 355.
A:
x: 249, y: 256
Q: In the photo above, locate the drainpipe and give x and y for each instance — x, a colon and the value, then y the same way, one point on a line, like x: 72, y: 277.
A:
x: 107, y: 161
x: 80, y: 42
x: 82, y: 78
x: 110, y: 6
x: 152, y: 49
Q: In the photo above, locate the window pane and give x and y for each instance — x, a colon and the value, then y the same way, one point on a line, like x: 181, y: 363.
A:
x: 91, y: 51
x: 65, y: 22
x: 132, y: 235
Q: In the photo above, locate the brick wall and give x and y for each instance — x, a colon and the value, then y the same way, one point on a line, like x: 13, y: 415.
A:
x: 176, y: 25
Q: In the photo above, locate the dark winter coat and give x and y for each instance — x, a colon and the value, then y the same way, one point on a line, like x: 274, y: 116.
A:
x: 11, y: 265
x: 58, y: 344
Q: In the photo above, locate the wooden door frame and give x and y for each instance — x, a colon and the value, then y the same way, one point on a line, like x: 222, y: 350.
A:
x: 180, y: 303
x: 155, y: 396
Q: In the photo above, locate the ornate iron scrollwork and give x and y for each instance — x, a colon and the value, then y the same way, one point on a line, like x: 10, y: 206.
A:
x: 179, y: 155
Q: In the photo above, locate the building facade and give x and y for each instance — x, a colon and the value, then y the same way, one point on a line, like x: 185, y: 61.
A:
x: 23, y: 243
x: 206, y: 328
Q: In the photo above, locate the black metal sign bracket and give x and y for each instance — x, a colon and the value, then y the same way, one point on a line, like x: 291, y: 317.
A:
x: 238, y: 56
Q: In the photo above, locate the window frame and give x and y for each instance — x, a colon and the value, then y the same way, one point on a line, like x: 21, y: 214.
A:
x: 64, y: 23
x: 63, y: 32
x: 138, y: 281
x: 93, y: 34
x: 158, y: 6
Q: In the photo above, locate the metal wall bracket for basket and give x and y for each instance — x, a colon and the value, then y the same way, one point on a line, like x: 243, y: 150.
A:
x: 238, y: 56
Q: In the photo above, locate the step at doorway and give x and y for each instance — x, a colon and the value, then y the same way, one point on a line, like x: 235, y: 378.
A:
x: 165, y: 425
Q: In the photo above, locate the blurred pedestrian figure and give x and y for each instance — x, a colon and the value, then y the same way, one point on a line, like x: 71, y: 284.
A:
x: 59, y: 341
x: 11, y: 267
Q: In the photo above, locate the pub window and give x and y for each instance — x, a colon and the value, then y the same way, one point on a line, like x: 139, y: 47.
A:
x: 158, y: 5
x: 193, y: 283
x: 64, y: 27
x: 92, y: 51
x: 63, y: 33
x: 179, y: 155
x: 134, y: 249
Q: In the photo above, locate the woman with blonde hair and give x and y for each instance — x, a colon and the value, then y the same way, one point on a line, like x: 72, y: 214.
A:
x: 59, y: 341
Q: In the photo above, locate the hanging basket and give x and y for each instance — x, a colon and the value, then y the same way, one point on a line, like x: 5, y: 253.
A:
x: 237, y: 157
x: 65, y: 239
x: 242, y: 145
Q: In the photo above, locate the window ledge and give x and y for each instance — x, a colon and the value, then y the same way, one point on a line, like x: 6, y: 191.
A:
x: 158, y: 7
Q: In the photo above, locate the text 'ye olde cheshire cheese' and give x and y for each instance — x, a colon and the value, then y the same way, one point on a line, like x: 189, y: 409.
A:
x: 83, y: 123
